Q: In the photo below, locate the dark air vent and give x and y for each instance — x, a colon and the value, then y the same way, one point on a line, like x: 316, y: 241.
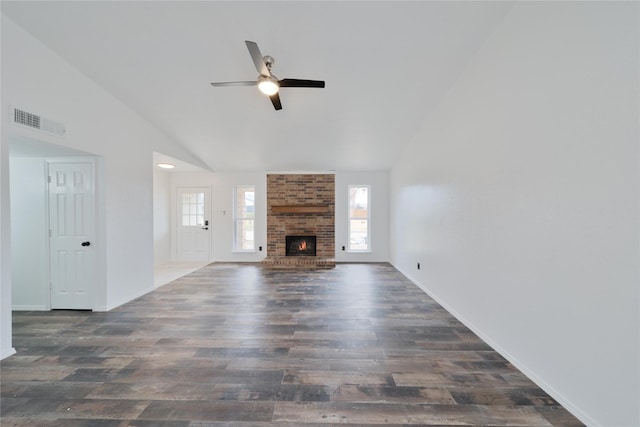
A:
x: 34, y: 121
x: 26, y: 119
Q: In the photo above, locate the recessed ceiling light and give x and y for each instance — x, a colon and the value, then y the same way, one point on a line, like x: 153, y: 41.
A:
x: 166, y: 165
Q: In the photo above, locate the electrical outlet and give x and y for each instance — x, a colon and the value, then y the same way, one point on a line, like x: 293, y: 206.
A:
x: 343, y: 248
x: 418, y: 266
x: 260, y: 248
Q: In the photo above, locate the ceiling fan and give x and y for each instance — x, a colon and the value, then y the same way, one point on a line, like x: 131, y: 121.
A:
x: 267, y: 82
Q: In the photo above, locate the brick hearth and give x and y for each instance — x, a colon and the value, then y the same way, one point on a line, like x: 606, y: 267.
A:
x: 301, y: 205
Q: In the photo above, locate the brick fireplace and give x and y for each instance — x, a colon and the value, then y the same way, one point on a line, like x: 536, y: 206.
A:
x: 300, y: 205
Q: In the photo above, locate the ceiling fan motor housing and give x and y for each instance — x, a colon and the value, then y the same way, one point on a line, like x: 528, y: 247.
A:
x: 268, y: 61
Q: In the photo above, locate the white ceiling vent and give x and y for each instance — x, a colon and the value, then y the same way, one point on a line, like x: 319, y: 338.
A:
x: 34, y: 121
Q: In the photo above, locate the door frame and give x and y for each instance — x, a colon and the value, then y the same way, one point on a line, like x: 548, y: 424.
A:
x: 93, y: 291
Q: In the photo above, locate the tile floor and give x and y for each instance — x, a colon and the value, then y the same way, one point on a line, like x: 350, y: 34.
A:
x: 239, y: 345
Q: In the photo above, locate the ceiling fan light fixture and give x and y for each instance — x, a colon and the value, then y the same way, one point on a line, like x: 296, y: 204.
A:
x: 166, y: 165
x: 268, y: 85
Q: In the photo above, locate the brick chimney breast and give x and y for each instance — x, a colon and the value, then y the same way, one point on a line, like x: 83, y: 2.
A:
x: 300, y: 205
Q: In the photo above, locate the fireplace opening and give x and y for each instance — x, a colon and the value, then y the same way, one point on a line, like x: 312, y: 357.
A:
x: 301, y: 246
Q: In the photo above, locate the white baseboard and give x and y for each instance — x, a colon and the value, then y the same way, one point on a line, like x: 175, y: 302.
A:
x: 7, y: 353
x: 566, y: 403
x: 25, y: 307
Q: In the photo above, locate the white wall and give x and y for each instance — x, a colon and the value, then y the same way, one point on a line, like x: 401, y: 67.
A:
x: 520, y: 198
x: 378, y: 182
x: 37, y: 80
x: 161, y: 217
x: 28, y: 241
x: 222, y: 185
x: 6, y: 347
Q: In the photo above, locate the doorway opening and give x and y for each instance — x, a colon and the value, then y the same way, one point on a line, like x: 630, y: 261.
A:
x: 172, y: 207
x: 45, y: 274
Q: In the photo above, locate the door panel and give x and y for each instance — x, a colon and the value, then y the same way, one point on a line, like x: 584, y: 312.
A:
x: 71, y: 226
x: 193, y: 240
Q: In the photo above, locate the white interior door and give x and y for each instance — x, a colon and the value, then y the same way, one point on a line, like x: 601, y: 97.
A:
x: 72, y: 235
x: 193, y: 239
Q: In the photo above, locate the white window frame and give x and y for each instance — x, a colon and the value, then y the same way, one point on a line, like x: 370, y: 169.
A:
x: 237, y: 218
x: 349, y: 218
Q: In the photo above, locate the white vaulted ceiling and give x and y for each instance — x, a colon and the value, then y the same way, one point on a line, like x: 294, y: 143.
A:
x: 386, y: 66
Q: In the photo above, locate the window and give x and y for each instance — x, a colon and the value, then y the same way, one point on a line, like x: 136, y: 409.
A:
x: 359, y: 222
x: 244, y: 216
x: 192, y: 209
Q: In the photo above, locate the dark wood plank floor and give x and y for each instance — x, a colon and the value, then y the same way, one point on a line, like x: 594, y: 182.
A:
x: 239, y: 345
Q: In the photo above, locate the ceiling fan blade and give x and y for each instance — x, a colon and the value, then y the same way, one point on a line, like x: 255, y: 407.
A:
x: 244, y: 83
x: 275, y: 100
x: 301, y: 83
x: 256, y: 55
